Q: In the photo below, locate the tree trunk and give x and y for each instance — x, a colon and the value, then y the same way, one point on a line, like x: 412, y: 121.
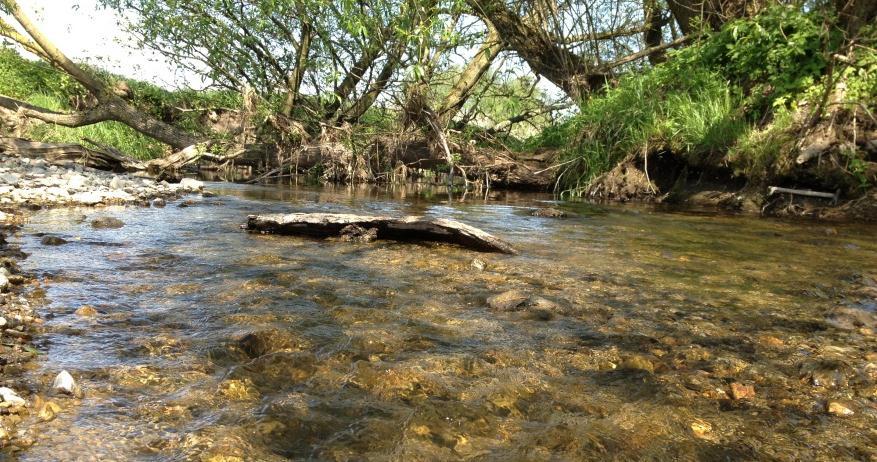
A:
x: 470, y: 76
x: 110, y: 106
x: 297, y: 75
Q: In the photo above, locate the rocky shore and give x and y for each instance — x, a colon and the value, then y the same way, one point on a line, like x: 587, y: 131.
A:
x: 31, y: 184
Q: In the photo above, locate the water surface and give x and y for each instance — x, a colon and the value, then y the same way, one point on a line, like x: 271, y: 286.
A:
x: 215, y: 344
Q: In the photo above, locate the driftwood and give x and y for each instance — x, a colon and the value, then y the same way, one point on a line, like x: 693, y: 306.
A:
x: 65, y: 154
x: 805, y: 192
x: 410, y: 228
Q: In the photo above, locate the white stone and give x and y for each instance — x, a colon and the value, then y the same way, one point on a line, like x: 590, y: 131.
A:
x: 64, y: 383
x: 4, y: 283
x: 3, y: 216
x: 191, y: 184
x: 10, y: 396
x: 76, y: 181
x: 89, y: 198
x: 10, y: 178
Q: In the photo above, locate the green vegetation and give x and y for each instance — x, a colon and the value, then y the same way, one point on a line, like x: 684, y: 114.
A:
x: 733, y: 98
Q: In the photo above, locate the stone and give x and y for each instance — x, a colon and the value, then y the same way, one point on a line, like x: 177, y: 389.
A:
x: 159, y: 202
x: 10, y: 178
x: 11, y: 398
x: 191, y: 184
x: 4, y: 283
x: 118, y: 183
x: 508, y: 301
x: 76, y: 181
x: 86, y: 311
x: 48, y: 411
x: 208, y: 194
x: 65, y: 384
x: 478, y: 265
x: 107, y: 223
x: 87, y: 198
x: 53, y: 240
x: 3, y: 216
x: 741, y: 391
x: 839, y: 409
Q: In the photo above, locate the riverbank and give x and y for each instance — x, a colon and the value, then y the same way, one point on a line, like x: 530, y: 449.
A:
x: 27, y: 185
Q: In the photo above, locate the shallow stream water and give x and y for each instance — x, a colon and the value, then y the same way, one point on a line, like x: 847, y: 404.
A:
x: 214, y: 344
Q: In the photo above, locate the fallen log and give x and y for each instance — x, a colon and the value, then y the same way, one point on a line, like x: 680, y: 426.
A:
x: 66, y: 154
x: 409, y: 228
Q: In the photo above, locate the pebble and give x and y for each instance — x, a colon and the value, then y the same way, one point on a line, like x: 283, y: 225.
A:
x: 741, y: 391
x: 26, y: 182
x: 478, y: 264
x: 839, y: 409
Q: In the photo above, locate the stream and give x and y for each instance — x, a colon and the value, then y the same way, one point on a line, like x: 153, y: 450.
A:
x: 213, y: 344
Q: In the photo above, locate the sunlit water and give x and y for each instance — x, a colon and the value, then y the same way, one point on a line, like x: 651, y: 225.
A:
x: 388, y: 351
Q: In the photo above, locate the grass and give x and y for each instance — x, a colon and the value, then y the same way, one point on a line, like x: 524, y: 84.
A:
x: 37, y: 83
x: 653, y: 111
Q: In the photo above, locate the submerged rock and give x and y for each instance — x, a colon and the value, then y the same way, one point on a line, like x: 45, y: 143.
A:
x: 262, y: 342
x: 838, y: 408
x: 549, y: 212
x: 533, y: 306
x: 53, y: 240
x: 86, y: 311
x: 741, y: 391
x: 107, y: 223
x: 508, y: 301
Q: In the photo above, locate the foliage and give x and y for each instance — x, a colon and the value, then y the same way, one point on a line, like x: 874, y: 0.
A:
x: 39, y: 84
x: 729, y: 99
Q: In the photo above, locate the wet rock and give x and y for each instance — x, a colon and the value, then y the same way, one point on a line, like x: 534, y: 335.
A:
x: 262, y: 342
x: 48, y: 411
x: 549, y: 212
x: 826, y: 373
x: 159, y: 203
x: 508, y: 301
x: 701, y: 429
x: 853, y: 318
x: 107, y: 223
x: 207, y: 194
x: 740, y: 391
x: 275, y: 370
x: 86, y: 311
x: 356, y: 233
x: 839, y: 409
x: 186, y: 203
x: 478, y: 265
x: 10, y: 398
x: 65, y: 384
x: 53, y: 240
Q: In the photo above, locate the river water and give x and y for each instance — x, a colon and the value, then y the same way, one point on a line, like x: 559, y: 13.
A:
x: 214, y: 344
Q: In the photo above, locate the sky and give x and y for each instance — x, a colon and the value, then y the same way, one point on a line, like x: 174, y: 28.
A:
x: 86, y: 32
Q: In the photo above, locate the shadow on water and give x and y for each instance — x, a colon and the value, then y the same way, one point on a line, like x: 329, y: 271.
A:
x: 213, y: 344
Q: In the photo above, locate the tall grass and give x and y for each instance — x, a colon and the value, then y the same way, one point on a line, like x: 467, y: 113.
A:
x: 694, y: 117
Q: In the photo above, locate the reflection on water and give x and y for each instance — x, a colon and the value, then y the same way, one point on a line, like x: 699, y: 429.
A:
x: 213, y: 344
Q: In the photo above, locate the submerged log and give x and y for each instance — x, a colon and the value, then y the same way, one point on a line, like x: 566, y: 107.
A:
x: 410, y: 228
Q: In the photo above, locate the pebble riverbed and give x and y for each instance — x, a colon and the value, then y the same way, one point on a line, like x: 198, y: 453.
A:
x: 26, y: 185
